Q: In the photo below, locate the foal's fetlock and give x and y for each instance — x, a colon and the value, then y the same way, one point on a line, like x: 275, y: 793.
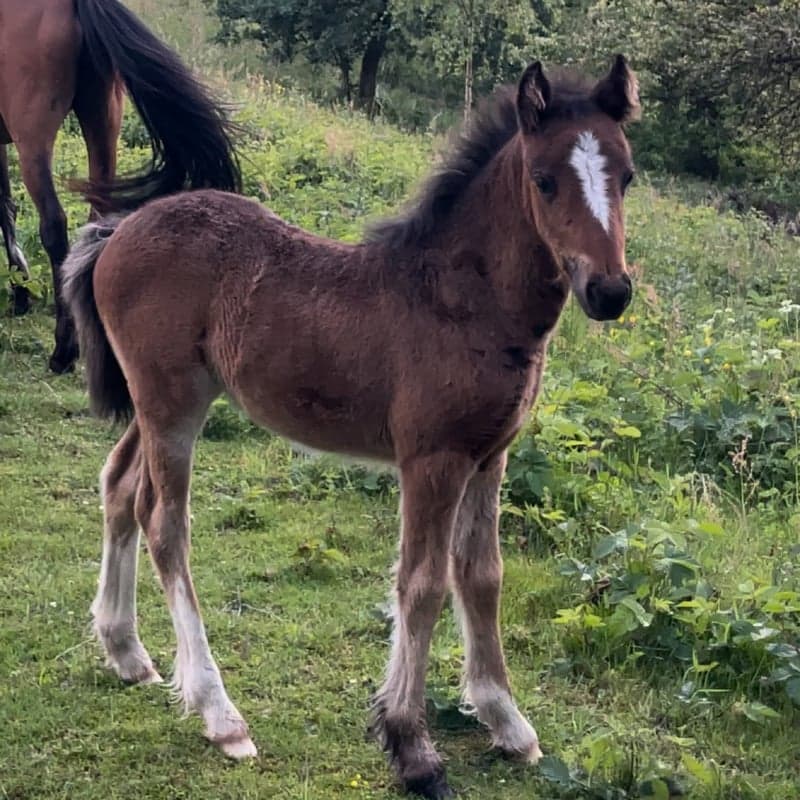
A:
x: 125, y: 654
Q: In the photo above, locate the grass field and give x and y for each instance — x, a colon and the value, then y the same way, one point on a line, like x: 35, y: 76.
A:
x: 650, y: 532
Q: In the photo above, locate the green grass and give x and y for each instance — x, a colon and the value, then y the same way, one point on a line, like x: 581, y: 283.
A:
x: 636, y: 432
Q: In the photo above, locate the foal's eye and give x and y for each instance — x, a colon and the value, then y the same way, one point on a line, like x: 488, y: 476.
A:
x: 627, y: 179
x: 546, y: 184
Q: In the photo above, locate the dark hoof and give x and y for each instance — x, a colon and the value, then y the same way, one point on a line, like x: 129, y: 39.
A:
x: 61, y: 365
x: 21, y: 301
x: 433, y: 786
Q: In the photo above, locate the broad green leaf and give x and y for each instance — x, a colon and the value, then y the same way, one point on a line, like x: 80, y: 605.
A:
x: 703, y: 774
x: 628, y: 432
x: 555, y: 770
x: 793, y: 690
x: 643, y: 617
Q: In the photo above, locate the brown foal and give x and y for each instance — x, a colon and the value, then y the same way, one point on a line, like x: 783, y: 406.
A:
x: 423, y: 346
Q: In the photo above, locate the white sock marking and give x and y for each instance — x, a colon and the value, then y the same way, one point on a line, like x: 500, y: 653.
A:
x: 589, y: 163
x: 197, y: 679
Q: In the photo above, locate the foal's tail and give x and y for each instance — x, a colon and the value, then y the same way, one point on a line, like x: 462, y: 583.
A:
x: 190, y: 133
x: 108, y: 389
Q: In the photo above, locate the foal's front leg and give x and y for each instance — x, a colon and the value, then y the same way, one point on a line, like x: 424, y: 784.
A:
x: 431, y: 490
x: 477, y: 574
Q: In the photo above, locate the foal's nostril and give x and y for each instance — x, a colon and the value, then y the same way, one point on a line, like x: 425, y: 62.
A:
x: 608, y: 297
x: 593, y: 292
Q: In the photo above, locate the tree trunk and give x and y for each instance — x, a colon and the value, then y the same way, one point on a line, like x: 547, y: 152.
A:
x: 469, y: 76
x: 468, y: 82
x: 344, y: 66
x: 368, y: 77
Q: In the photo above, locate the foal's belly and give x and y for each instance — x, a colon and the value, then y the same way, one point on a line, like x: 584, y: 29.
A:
x: 328, y: 418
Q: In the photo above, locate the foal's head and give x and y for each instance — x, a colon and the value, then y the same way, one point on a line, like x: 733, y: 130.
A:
x: 577, y: 168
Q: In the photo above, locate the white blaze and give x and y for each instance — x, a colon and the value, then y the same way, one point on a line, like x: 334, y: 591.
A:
x: 589, y: 163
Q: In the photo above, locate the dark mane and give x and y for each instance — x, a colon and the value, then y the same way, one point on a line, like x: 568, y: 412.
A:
x: 493, y: 126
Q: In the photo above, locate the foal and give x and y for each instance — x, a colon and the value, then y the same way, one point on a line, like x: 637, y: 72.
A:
x: 423, y: 346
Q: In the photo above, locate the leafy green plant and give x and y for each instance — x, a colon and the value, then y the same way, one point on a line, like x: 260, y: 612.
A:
x: 645, y: 598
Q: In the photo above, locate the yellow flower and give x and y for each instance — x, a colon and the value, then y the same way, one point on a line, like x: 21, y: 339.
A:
x: 632, y: 319
x: 706, y: 360
x: 726, y: 366
x: 687, y: 352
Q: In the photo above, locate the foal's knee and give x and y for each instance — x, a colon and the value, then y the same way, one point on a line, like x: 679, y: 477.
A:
x: 477, y: 579
x: 423, y: 589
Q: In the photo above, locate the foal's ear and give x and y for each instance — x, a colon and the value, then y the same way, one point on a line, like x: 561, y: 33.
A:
x: 533, y: 96
x: 618, y: 93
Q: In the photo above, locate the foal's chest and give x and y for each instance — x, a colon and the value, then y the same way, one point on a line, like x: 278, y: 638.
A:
x: 503, y: 395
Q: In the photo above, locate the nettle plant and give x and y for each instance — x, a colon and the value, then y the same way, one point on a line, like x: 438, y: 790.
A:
x: 643, y: 597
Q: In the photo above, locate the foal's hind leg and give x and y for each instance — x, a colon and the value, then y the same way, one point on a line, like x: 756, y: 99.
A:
x: 8, y: 218
x: 162, y: 508
x: 477, y: 573
x: 431, y: 491
x: 114, y: 607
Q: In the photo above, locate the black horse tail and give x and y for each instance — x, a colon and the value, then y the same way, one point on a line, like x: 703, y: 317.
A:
x: 189, y: 130
x: 108, y: 389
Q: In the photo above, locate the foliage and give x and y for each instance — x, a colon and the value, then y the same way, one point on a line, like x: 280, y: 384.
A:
x: 487, y: 41
x: 338, y: 33
x: 719, y: 78
x: 646, y: 598
x: 720, y: 81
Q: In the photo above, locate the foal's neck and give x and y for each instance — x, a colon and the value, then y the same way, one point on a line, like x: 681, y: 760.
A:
x: 493, y: 230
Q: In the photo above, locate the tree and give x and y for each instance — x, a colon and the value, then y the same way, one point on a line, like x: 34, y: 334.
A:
x: 487, y: 41
x: 718, y: 76
x: 338, y: 32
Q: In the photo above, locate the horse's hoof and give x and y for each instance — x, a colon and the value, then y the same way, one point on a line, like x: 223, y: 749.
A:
x: 433, y: 786
x: 238, y: 749
x: 61, y: 365
x: 21, y: 303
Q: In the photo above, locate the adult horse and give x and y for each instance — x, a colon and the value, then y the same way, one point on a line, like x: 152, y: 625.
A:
x: 62, y: 55
x: 423, y: 346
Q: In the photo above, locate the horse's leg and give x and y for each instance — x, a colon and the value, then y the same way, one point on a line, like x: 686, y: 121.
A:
x: 477, y: 572
x: 35, y: 162
x: 162, y: 509
x: 98, y: 107
x: 114, y: 607
x: 8, y: 218
x: 431, y: 491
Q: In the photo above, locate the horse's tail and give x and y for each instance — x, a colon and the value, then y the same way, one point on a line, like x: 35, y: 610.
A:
x: 108, y: 389
x: 191, y: 135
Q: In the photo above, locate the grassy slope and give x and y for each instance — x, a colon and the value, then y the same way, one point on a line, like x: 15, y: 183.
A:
x: 301, y: 641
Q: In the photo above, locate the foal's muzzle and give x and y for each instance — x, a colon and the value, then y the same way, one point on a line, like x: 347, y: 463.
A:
x: 607, y: 298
